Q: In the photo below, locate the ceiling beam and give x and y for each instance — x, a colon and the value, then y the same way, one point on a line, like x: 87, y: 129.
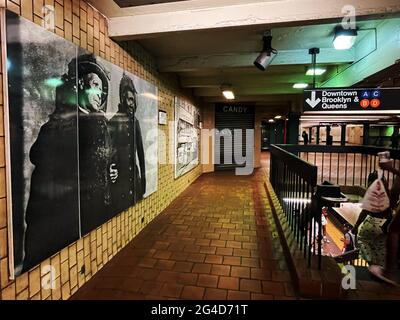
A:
x: 253, y: 80
x: 257, y: 13
x: 235, y: 60
x: 277, y: 89
x: 276, y: 99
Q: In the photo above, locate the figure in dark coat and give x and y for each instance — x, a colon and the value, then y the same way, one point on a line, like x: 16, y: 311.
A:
x: 52, y: 214
x: 130, y: 185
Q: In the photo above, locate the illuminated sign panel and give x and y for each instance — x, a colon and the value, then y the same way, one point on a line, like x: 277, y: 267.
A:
x: 351, y: 99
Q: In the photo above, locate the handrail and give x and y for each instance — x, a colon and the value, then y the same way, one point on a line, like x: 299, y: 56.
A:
x: 307, y: 171
x: 370, y: 150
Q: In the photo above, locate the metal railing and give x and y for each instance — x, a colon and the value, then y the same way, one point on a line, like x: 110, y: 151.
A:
x: 295, y: 171
x: 294, y: 181
x: 344, y: 165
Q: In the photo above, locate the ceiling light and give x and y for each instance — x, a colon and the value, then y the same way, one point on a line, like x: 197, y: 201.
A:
x: 267, y: 54
x: 271, y: 120
x: 316, y: 71
x: 278, y: 117
x: 344, y: 38
x: 227, y: 92
x: 300, y: 85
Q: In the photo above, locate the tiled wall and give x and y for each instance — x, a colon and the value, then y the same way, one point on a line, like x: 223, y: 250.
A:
x: 78, y: 22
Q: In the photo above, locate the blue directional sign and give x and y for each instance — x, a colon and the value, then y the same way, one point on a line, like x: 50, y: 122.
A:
x: 352, y: 99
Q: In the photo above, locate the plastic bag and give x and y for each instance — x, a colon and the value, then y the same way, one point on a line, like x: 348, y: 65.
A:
x: 375, y: 198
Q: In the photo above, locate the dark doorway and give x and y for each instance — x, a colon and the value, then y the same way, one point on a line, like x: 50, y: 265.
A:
x: 231, y: 122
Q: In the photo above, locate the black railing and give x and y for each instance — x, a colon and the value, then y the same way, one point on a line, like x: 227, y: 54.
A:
x: 295, y: 171
x: 344, y: 165
x: 294, y: 181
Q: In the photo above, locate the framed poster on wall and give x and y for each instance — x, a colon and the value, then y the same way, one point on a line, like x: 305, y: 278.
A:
x: 187, y: 133
x: 83, y: 141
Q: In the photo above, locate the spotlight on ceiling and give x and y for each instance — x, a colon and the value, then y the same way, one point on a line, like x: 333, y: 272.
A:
x: 227, y: 92
x: 277, y: 117
x: 271, y: 120
x: 317, y: 71
x: 267, y: 54
x: 344, y: 38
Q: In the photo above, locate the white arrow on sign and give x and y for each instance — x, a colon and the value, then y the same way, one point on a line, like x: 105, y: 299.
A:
x: 313, y: 102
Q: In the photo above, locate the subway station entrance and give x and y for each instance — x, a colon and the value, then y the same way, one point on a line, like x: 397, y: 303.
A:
x: 199, y: 150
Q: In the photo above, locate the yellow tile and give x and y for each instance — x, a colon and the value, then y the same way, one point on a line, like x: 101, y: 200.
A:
x: 56, y: 293
x: 83, y: 20
x: 59, y: 16
x: 8, y: 293
x: 64, y: 254
x: 22, y: 282
x: 96, y: 47
x: 96, y: 29
x: 103, y: 24
x: 4, y: 279
x: 90, y: 35
x: 68, y: 10
x: 34, y: 282
x: 68, y: 31
x: 55, y: 263
x: 27, y: 10
x: 3, y: 213
x: 73, y: 276
x: 65, y: 291
x: 64, y: 272
x: 2, y: 182
x: 72, y: 254
x: 13, y: 7
x: 38, y: 7
x: 83, y: 39
x: 3, y: 243
x: 75, y: 26
x: 38, y: 20
x: 75, y: 7
x: 83, y: 5
x: 24, y: 295
x: 60, y: 32
x: 89, y: 16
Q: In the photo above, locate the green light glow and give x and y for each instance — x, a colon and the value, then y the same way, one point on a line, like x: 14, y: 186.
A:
x: 53, y: 82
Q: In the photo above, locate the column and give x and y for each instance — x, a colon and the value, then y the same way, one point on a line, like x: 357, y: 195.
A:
x: 366, y: 134
x: 343, y: 135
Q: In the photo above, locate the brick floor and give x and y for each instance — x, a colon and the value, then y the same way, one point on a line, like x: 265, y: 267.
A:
x: 213, y: 242
x: 216, y: 241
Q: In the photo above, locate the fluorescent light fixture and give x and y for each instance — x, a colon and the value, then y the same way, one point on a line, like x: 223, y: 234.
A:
x: 344, y: 38
x: 316, y: 71
x: 278, y: 117
x: 228, y: 94
x: 300, y: 85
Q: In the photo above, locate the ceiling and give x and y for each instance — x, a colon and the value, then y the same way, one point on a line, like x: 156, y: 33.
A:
x: 189, y: 55
x: 206, y: 58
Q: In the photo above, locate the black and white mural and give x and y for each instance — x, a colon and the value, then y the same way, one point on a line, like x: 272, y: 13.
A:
x: 83, y: 139
x: 187, y: 132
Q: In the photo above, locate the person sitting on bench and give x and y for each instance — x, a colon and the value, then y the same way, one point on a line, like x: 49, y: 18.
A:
x: 387, y: 271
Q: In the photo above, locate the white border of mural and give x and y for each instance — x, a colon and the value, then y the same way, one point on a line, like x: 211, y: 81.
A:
x: 186, y: 137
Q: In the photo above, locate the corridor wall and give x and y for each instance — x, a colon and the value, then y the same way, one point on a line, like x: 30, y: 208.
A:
x: 60, y: 276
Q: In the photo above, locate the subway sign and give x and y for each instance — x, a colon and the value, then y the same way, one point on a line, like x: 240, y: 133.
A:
x: 349, y: 99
